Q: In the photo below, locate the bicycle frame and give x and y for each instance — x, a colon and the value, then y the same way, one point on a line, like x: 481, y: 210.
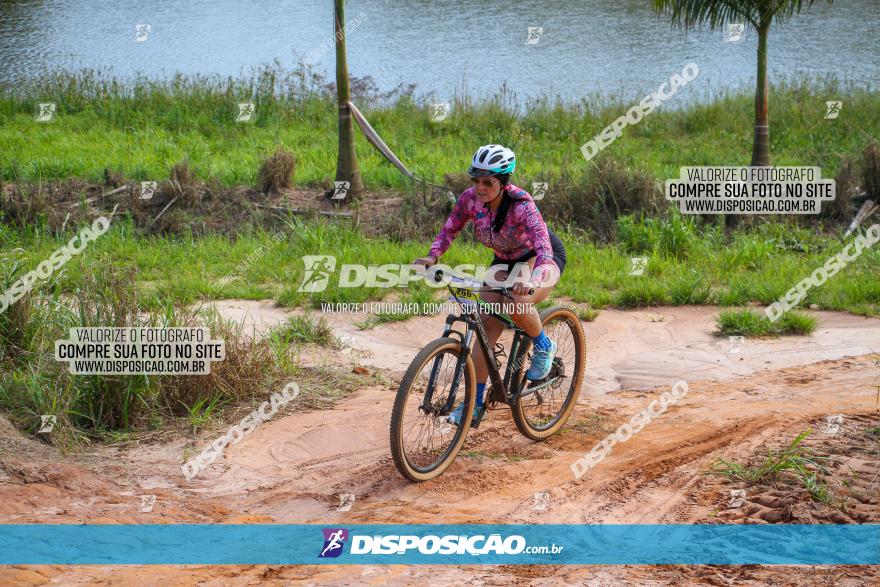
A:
x: 501, y: 387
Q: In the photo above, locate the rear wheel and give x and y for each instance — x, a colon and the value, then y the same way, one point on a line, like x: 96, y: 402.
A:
x: 541, y: 412
x: 423, y: 442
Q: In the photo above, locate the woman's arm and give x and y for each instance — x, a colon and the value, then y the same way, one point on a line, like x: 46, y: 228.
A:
x: 536, y: 230
x: 457, y: 220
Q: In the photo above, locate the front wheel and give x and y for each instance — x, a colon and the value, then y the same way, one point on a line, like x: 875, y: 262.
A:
x: 542, y: 412
x: 423, y: 442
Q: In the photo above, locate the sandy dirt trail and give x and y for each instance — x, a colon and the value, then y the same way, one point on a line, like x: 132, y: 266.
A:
x: 294, y: 468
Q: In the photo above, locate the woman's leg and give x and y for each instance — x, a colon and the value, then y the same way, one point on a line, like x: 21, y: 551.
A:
x: 525, y: 314
x: 493, y: 330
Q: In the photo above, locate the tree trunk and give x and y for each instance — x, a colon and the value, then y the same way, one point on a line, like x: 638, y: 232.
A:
x: 761, y: 146
x: 346, y: 162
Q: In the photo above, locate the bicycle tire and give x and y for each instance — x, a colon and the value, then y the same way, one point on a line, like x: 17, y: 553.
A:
x: 519, y: 417
x: 398, y: 452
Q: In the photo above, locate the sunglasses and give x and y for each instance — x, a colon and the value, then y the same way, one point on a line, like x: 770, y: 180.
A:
x: 484, y: 181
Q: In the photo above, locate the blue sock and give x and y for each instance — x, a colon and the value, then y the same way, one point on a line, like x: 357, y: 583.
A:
x: 541, y: 341
x: 481, y: 387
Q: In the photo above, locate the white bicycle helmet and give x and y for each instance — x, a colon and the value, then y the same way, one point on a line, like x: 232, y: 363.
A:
x: 492, y: 160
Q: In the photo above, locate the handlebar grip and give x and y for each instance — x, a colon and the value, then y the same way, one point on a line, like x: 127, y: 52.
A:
x: 531, y: 291
x: 438, y: 276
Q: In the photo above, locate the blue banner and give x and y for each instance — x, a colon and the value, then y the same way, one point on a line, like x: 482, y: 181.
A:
x: 277, y: 544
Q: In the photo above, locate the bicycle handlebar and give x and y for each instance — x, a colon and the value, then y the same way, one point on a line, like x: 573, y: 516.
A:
x: 438, y: 277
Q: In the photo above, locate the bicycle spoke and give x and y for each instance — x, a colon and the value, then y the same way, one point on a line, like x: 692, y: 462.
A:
x: 542, y: 407
x: 425, y: 439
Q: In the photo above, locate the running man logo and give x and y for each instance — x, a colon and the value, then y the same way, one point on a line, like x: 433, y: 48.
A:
x: 147, y: 503
x: 141, y: 32
x: 539, y: 190
x: 832, y: 423
x: 735, y: 31
x: 148, y: 189
x: 245, y: 112
x: 439, y: 111
x: 832, y: 109
x: 737, y: 498
x: 734, y: 344
x: 541, y: 500
x: 534, y: 35
x: 47, y: 423
x: 318, y: 270
x: 46, y: 111
x: 346, y: 500
x: 340, y: 189
x: 638, y: 265
x: 334, y: 541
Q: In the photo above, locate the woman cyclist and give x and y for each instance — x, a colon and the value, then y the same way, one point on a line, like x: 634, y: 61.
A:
x: 506, y: 220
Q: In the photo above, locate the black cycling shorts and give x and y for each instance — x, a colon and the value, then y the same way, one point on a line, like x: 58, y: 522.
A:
x: 558, y: 255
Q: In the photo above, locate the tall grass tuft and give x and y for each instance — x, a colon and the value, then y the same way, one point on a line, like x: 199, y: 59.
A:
x: 32, y: 383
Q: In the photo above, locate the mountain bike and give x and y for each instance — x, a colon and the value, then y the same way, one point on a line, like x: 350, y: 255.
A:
x: 442, y: 376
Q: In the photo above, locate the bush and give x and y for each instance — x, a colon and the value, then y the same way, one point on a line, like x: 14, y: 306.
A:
x: 750, y: 323
x: 871, y: 171
x: 33, y: 383
x: 596, y: 199
x: 277, y: 171
x: 673, y: 236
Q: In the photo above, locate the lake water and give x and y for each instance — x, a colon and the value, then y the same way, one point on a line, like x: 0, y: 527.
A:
x: 609, y: 47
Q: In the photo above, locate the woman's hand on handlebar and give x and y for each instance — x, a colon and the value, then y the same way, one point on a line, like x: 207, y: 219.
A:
x: 523, y: 289
x: 426, y: 261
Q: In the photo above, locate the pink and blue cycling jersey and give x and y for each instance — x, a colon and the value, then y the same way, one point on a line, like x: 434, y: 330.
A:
x: 523, y: 230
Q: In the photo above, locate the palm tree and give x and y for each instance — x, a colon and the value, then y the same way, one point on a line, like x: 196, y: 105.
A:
x: 760, y: 14
x: 346, y: 162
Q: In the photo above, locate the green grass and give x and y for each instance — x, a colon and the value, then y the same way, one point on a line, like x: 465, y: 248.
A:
x: 307, y: 329
x: 794, y: 460
x: 586, y: 314
x: 750, y: 323
x: 725, y: 269
x: 143, y: 128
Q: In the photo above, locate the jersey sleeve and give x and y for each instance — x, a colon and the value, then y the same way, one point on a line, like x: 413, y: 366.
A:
x: 536, y: 231
x: 457, y: 220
